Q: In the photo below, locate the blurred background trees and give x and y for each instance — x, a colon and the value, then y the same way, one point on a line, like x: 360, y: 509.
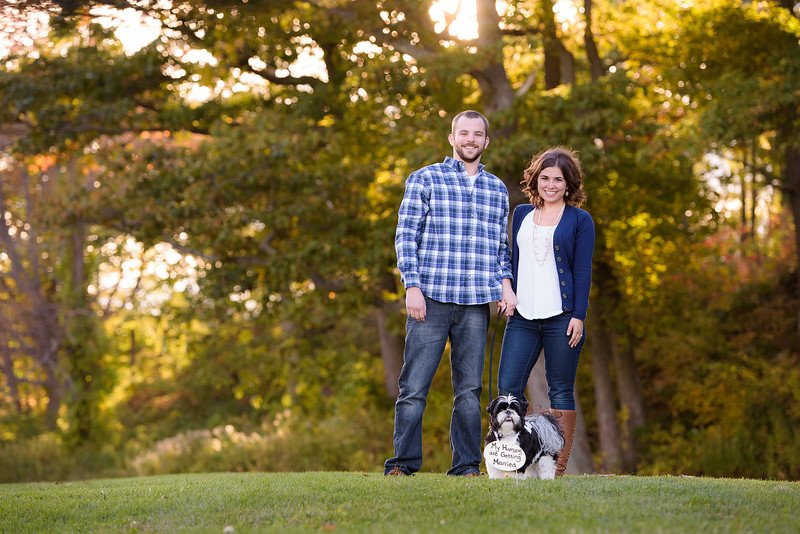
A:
x: 199, y: 202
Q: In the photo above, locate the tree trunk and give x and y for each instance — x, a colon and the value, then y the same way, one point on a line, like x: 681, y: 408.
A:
x: 595, y: 64
x: 55, y: 395
x: 490, y: 72
x: 580, y: 459
x: 552, y: 59
x: 630, y: 397
x: 616, y: 346
x: 791, y: 180
x: 611, y: 456
x: 83, y: 339
x: 391, y: 353
x: 82, y: 360
x: 11, y: 377
x: 35, y: 318
x: 536, y: 389
x: 567, y: 61
x: 743, y: 193
x: 392, y: 343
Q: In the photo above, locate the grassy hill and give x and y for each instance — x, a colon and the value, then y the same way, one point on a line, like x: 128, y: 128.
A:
x: 370, y: 502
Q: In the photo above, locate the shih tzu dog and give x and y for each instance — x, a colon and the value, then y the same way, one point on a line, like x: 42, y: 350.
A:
x: 521, y: 446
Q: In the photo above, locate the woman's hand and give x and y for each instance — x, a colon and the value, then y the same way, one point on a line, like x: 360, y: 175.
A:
x: 508, y: 302
x: 575, y: 332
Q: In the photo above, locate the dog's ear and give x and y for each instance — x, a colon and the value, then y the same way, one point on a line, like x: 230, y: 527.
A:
x: 523, y: 405
x: 490, y: 407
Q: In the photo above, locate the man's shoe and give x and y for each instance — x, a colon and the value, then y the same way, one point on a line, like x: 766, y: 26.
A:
x: 472, y: 474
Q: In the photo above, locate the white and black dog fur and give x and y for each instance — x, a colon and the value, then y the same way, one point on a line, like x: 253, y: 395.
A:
x: 538, y: 435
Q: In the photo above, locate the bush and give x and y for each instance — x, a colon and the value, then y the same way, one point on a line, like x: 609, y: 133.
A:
x: 47, y: 458
x: 343, y: 442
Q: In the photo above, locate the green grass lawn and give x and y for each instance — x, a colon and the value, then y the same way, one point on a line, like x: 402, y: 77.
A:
x: 370, y: 502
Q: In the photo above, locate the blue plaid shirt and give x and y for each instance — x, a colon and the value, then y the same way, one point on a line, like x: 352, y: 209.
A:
x: 452, y: 239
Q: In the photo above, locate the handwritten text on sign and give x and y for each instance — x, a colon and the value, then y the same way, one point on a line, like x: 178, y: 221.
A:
x: 503, y: 456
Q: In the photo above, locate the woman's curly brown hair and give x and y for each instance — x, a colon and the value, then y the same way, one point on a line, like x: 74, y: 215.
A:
x: 570, y: 166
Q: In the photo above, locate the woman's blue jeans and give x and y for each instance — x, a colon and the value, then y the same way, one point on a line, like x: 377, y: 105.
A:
x: 465, y: 327
x: 523, y: 341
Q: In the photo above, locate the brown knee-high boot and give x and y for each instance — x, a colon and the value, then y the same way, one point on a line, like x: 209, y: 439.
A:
x: 567, y: 420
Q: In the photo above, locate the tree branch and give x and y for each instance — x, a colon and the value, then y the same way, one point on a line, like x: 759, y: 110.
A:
x: 528, y: 83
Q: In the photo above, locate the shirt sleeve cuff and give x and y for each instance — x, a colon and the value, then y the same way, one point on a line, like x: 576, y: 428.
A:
x: 411, y: 280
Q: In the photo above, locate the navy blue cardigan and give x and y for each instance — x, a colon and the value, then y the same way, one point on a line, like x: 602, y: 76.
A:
x: 573, y: 245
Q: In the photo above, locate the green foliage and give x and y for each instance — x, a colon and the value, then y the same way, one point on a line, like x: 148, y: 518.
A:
x: 68, y: 100
x: 55, y: 349
x: 737, y: 63
x: 350, y: 440
x: 765, y: 442
x: 735, y: 409
x: 298, y: 202
x: 370, y: 502
x: 48, y: 456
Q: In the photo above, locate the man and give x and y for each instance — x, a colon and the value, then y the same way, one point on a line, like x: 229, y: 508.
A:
x: 453, y: 255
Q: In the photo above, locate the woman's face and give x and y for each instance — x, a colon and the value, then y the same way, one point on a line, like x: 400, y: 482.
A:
x: 551, y: 185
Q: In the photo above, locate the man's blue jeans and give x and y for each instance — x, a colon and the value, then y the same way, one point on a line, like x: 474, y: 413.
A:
x: 523, y: 341
x: 466, y: 327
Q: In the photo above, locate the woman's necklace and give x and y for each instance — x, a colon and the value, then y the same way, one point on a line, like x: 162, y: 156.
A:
x: 539, y: 256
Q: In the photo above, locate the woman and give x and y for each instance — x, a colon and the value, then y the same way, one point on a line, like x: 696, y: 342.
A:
x: 552, y: 240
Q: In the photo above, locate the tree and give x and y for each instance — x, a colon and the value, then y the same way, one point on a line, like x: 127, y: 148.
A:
x: 51, y: 340
x: 62, y: 109
x: 741, y: 82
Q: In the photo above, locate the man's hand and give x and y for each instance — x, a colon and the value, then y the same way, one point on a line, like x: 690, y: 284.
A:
x: 508, y: 302
x: 415, y: 303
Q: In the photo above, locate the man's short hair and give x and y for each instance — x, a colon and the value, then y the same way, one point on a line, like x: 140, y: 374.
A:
x: 469, y: 114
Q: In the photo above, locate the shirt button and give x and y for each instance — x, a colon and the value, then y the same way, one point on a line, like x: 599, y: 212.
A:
x: 558, y: 258
x: 561, y: 271
x: 563, y: 295
x: 558, y: 248
x: 563, y: 283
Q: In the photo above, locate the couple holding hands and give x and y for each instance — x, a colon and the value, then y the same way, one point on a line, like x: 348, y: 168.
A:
x: 454, y: 257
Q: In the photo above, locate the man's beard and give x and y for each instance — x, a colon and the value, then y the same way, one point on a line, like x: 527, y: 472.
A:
x: 464, y: 158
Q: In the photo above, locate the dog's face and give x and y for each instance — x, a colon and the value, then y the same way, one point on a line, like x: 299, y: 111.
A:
x: 507, y: 414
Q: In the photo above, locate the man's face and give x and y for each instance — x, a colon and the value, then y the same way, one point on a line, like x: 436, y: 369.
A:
x: 469, y: 139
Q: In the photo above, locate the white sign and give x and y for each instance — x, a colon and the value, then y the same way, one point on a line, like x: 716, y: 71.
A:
x: 503, y: 456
